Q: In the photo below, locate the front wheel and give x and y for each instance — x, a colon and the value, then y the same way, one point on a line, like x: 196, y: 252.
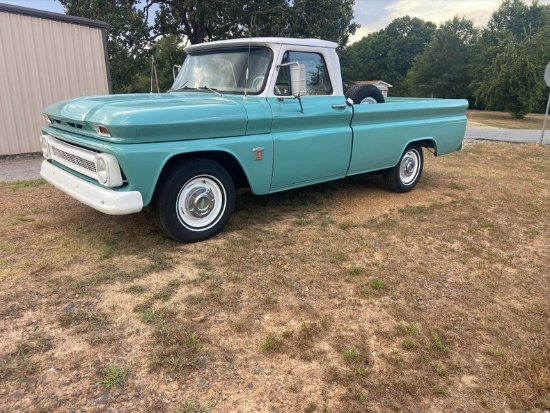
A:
x: 195, y: 200
x: 404, y: 176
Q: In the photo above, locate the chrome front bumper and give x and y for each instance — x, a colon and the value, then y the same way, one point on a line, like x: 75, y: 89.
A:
x: 103, y: 199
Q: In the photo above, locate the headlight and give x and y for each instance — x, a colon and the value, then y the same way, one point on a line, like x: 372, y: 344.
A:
x: 47, y: 119
x: 102, y: 170
x: 45, y: 147
x: 107, y: 170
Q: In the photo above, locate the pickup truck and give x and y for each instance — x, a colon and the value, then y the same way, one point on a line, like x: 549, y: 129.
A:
x: 269, y: 114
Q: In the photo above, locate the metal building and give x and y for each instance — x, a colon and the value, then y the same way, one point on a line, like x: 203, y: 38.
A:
x: 44, y: 58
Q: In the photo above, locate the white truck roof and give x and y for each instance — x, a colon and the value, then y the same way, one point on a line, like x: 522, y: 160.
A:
x: 263, y: 41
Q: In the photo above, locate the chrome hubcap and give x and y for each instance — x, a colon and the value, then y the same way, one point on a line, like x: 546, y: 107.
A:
x: 409, y: 167
x: 199, y: 202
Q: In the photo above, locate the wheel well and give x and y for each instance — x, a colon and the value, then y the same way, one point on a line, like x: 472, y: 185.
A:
x: 425, y: 143
x: 224, y: 159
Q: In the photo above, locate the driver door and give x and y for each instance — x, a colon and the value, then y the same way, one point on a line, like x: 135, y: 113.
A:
x: 313, y: 145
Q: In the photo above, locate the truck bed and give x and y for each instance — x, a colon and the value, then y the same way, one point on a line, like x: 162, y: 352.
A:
x: 382, y: 131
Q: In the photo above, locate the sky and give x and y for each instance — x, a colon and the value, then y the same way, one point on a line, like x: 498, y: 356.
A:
x: 373, y: 15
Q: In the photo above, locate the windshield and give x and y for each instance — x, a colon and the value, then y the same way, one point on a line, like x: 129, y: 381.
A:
x: 225, y: 70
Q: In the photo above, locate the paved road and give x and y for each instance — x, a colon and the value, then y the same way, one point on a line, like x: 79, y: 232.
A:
x: 28, y: 166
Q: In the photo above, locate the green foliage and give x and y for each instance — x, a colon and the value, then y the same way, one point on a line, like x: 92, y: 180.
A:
x: 218, y: 19
x: 132, y: 42
x: 499, y: 67
x: 507, y: 62
x: 112, y: 376
x: 442, y: 69
x: 168, y: 52
x: 310, y: 19
x: 388, y: 54
x: 515, y: 77
x: 205, y: 21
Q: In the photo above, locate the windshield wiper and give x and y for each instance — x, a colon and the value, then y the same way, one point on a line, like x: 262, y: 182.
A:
x: 210, y: 89
x: 180, y: 88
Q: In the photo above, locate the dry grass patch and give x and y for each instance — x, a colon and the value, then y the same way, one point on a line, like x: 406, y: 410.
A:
x: 340, y: 297
x: 504, y: 120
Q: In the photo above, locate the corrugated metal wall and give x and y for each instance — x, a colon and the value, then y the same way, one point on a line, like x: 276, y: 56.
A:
x: 43, y: 61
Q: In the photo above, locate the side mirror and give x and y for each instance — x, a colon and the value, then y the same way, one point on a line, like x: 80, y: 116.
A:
x: 298, y: 79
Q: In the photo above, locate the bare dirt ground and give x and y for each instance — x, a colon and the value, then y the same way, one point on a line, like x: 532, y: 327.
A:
x: 341, y: 297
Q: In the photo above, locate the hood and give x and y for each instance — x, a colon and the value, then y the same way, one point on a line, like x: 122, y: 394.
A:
x: 152, y: 117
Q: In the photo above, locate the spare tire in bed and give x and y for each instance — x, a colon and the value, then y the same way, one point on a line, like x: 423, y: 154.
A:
x: 365, y: 94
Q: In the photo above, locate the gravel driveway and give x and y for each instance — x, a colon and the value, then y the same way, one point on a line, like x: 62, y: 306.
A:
x: 21, y: 167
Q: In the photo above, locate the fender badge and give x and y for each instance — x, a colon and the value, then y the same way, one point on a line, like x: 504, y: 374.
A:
x: 258, y: 153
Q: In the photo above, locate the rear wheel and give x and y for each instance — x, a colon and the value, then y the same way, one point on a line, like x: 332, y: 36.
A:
x: 195, y: 200
x: 365, y: 94
x: 404, y: 176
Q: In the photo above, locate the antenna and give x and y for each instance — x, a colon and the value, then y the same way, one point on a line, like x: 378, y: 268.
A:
x: 152, y: 71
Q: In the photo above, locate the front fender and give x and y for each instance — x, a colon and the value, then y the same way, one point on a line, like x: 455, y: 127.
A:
x: 142, y: 164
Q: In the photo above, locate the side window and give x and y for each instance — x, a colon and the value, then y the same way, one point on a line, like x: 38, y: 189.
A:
x: 317, y: 78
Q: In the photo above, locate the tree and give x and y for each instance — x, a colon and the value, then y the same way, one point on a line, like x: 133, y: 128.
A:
x: 196, y: 21
x: 514, y: 81
x: 388, y: 54
x: 168, y: 52
x: 323, y: 19
x: 442, y: 69
x: 507, y: 62
x: 164, y: 54
x: 404, y: 38
x: 127, y: 37
x: 206, y: 20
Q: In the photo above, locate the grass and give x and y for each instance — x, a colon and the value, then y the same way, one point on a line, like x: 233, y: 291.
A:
x: 152, y: 314
x: 350, y: 356
x: 112, y: 376
x: 437, y: 343
x: 90, y: 319
x: 377, y: 284
x: 270, y: 344
x: 168, y: 291
x: 26, y: 183
x: 338, y: 297
x: 22, y: 363
x: 505, y: 120
x: 194, y: 407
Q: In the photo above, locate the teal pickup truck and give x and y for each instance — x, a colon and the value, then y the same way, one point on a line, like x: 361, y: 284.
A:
x: 269, y: 114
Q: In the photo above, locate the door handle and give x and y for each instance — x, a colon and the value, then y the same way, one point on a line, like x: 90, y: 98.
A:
x: 342, y: 106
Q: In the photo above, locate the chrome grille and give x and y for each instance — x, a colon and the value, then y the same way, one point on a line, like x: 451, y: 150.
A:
x: 74, y: 159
